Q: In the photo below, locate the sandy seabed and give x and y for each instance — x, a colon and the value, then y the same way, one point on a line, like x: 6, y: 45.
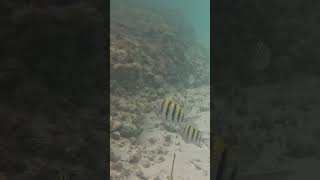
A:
x: 192, y: 161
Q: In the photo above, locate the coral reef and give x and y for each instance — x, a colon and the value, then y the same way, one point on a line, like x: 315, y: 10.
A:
x: 152, y: 53
x: 146, y: 48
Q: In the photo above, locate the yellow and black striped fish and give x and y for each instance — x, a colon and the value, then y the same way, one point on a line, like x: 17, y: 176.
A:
x: 191, y: 134
x: 224, y: 160
x: 171, y: 111
x: 62, y: 175
x: 224, y: 164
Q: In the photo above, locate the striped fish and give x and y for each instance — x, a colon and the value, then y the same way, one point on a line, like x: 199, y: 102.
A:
x: 171, y: 111
x: 191, y: 134
x: 224, y: 165
x: 224, y: 160
x: 261, y: 56
x: 64, y: 176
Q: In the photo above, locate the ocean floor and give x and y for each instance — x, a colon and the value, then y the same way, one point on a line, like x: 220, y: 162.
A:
x: 191, y: 162
x: 278, y: 134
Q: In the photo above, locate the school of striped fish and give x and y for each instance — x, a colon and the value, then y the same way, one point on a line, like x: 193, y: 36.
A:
x: 225, y: 164
x: 172, y: 112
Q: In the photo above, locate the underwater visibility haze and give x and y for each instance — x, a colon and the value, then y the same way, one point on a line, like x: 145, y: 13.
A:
x: 160, y: 95
x: 197, y: 14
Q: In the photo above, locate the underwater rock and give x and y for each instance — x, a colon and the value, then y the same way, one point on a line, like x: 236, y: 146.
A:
x: 161, y: 158
x: 126, y: 105
x: 133, y: 140
x: 116, y: 125
x: 116, y: 135
x: 116, y: 166
x: 146, y: 163
x: 160, y: 150
x: 120, y: 54
x: 153, y: 151
x: 127, y: 72
x: 114, y: 156
x: 135, y: 157
x: 141, y: 175
x: 152, y: 140
x: 121, y: 144
x: 168, y: 138
x: 151, y: 157
x: 129, y: 130
x: 122, y: 104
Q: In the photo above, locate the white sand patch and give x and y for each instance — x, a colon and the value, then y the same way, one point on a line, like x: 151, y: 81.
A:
x: 192, y: 162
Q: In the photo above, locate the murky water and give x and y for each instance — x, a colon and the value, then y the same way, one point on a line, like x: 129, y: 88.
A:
x: 160, y: 49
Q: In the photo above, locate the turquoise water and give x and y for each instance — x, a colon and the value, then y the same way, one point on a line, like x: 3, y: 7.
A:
x: 197, y: 13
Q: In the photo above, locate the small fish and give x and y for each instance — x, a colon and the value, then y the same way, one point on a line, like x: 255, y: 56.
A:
x: 64, y: 176
x: 191, y: 134
x: 224, y: 163
x: 171, y: 111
